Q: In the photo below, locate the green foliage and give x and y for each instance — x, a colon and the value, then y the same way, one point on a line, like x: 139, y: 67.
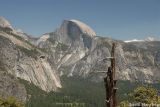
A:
x: 79, y: 92
x: 76, y: 92
x: 82, y: 91
x: 61, y: 47
x: 30, y: 53
x: 144, y: 94
x: 9, y: 31
x: 2, y: 67
x: 10, y: 102
x: 124, y: 104
x: 17, y: 36
x: 124, y: 89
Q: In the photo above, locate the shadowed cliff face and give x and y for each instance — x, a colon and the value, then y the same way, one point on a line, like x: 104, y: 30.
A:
x: 73, y: 31
x: 76, y: 32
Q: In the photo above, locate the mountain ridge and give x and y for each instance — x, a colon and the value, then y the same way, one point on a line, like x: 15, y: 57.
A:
x: 74, y: 49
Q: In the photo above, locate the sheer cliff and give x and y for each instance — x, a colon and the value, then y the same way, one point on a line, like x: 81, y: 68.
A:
x: 74, y: 49
x: 20, y: 59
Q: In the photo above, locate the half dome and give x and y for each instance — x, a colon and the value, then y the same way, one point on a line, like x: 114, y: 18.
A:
x: 84, y: 28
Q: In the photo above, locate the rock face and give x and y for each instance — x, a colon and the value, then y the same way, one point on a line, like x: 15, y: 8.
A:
x: 142, y: 61
x: 25, y: 61
x: 10, y: 86
x: 85, y: 29
x: 68, y: 44
x: 73, y: 49
x: 20, y: 59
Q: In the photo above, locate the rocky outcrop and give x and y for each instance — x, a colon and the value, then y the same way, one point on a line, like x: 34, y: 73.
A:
x: 68, y: 44
x: 10, y: 86
x: 27, y: 64
x: 21, y: 59
x: 39, y: 72
x: 76, y: 50
x: 85, y: 29
x: 141, y: 61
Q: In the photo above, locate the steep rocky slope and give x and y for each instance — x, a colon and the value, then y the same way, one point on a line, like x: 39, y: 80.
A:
x: 142, y: 60
x: 74, y: 49
x: 20, y: 59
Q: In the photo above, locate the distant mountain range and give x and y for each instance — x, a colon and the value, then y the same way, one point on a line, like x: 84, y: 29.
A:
x: 147, y: 39
x: 73, y: 49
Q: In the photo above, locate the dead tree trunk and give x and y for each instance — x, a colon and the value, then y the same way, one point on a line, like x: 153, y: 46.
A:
x: 110, y: 81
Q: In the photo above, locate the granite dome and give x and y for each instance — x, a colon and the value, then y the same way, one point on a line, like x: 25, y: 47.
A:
x: 84, y: 28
